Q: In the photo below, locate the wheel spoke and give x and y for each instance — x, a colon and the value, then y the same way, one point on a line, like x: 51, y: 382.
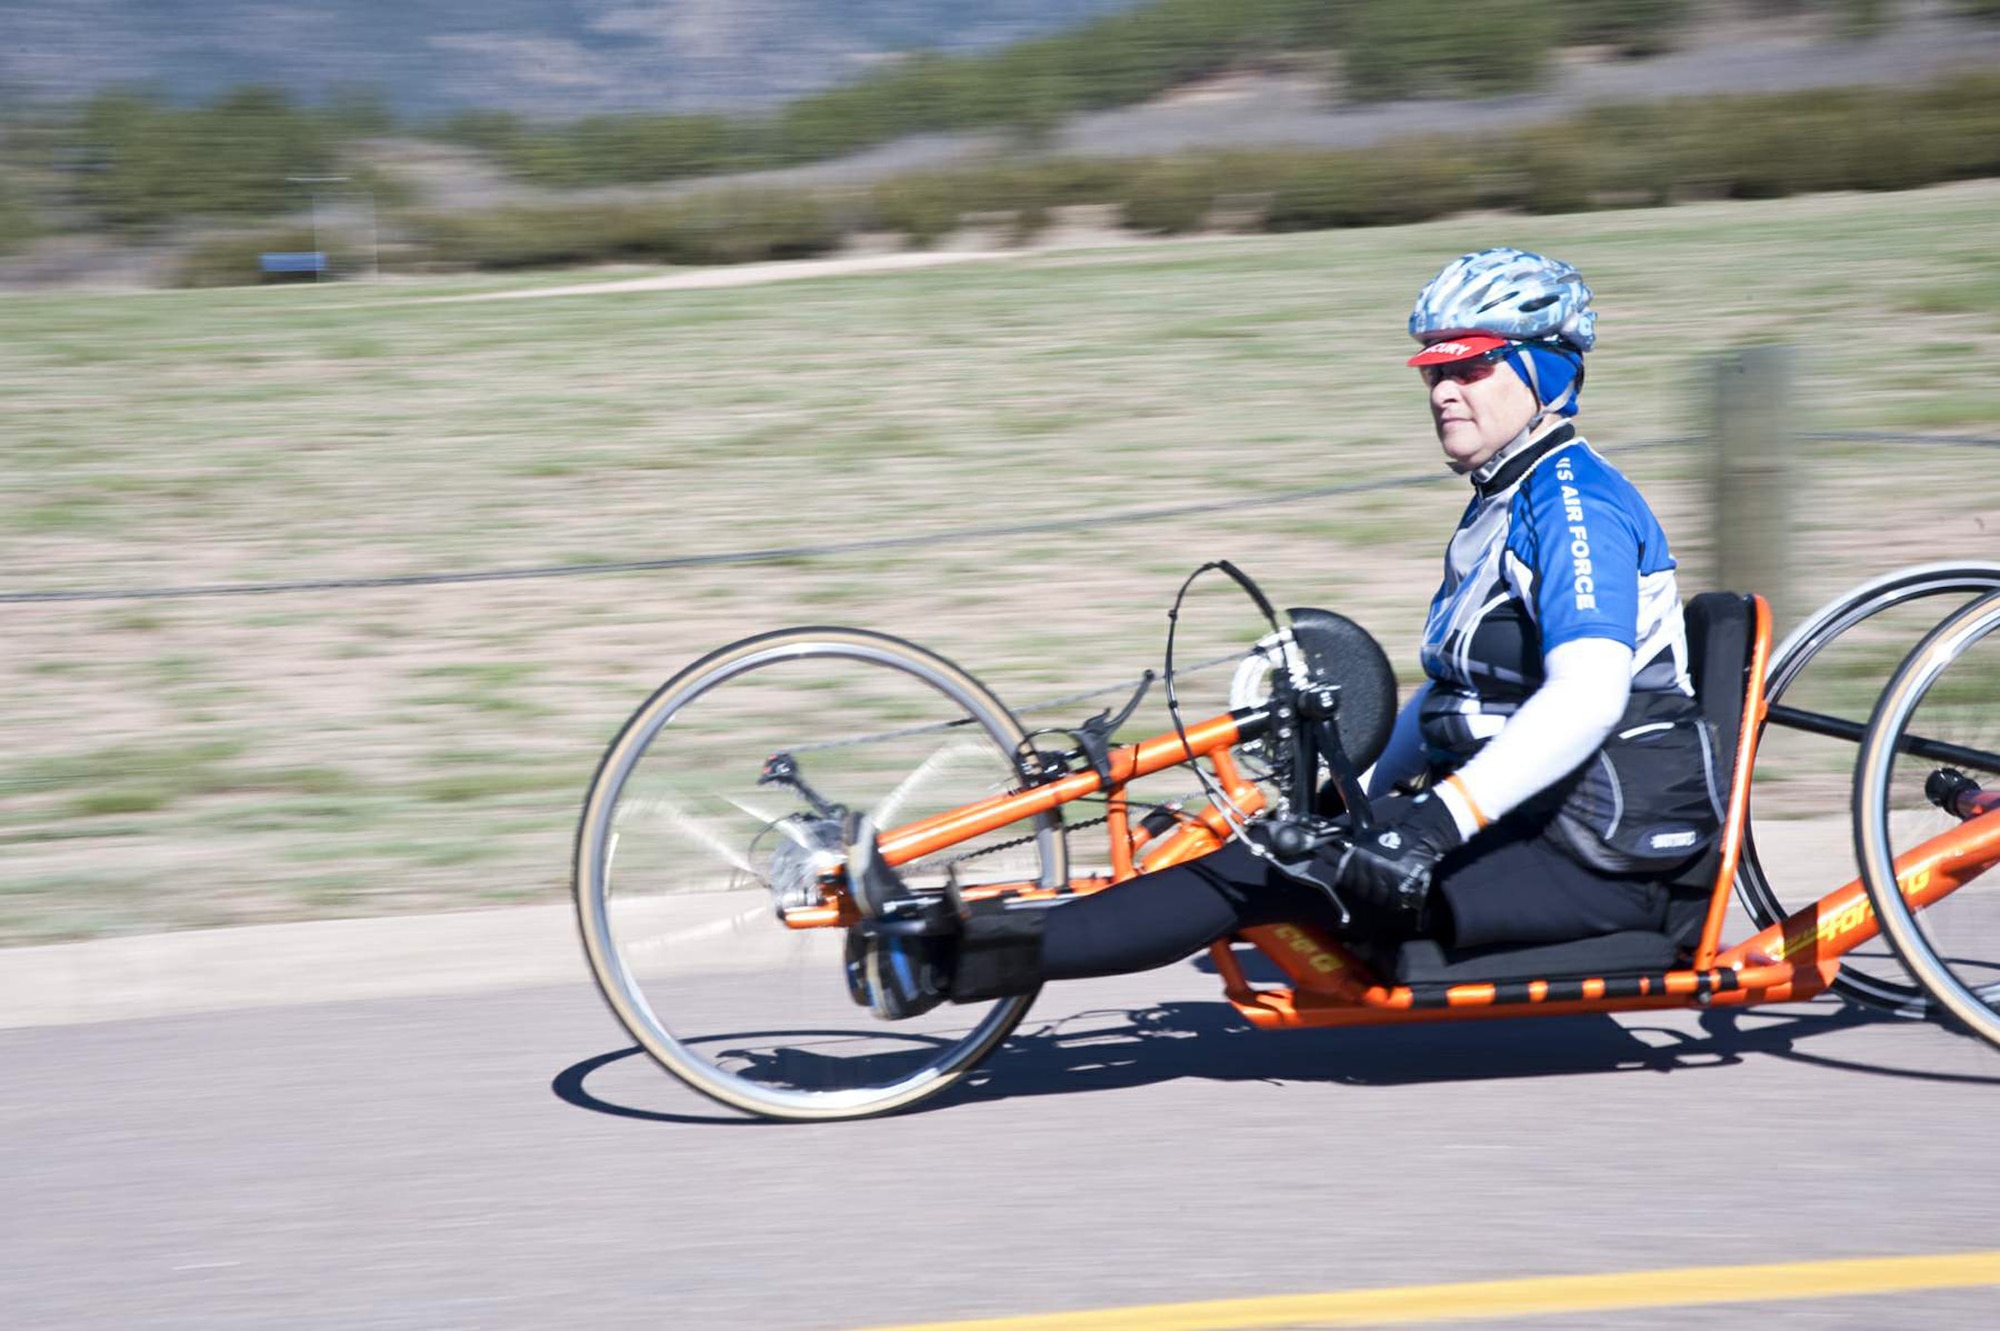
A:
x: 717, y: 941
x: 890, y: 805
x: 667, y: 812
x: 784, y: 826
x: 1951, y: 946
x: 1828, y: 671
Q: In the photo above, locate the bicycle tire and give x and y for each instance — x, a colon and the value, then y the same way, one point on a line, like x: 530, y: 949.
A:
x: 1819, y: 632
x: 810, y: 654
x: 1943, y: 978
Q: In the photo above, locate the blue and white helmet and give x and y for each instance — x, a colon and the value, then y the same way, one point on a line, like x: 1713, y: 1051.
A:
x: 1506, y: 293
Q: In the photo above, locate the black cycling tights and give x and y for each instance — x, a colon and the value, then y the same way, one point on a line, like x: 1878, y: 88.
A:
x: 1158, y: 919
x: 1510, y: 885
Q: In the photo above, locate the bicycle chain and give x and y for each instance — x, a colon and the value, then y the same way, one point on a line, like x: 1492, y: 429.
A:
x: 1067, y: 828
x: 1022, y: 841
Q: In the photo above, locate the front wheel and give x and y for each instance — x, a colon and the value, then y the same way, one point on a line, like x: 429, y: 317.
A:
x: 707, y: 866
x: 1933, y: 740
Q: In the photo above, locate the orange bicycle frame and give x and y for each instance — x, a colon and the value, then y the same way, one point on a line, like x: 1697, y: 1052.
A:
x: 1795, y: 958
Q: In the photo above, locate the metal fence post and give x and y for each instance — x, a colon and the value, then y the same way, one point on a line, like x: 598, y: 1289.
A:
x: 1752, y: 473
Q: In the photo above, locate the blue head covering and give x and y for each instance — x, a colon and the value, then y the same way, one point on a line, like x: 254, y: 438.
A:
x: 1553, y: 374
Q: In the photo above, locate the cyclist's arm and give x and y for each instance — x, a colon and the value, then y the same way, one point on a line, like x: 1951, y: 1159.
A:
x: 1573, y: 557
x: 1403, y: 758
x: 1559, y: 727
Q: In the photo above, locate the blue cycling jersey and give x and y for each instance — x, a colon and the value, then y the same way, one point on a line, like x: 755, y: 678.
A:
x: 1556, y: 545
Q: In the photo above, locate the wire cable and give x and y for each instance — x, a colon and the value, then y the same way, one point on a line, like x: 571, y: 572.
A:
x: 830, y: 549
x: 724, y: 558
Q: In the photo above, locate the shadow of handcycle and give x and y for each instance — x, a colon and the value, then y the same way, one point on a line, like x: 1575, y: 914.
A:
x: 1119, y: 1048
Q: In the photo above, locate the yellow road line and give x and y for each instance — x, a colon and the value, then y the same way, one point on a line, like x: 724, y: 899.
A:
x: 1491, y: 1300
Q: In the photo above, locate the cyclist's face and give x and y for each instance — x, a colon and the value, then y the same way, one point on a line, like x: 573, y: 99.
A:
x: 1477, y: 406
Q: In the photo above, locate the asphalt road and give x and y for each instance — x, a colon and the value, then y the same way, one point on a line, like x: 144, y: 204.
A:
x: 503, y: 1160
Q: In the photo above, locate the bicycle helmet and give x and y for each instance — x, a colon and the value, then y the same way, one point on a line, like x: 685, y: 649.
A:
x: 1508, y: 294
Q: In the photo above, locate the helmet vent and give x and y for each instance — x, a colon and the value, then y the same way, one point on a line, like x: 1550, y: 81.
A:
x: 1508, y: 293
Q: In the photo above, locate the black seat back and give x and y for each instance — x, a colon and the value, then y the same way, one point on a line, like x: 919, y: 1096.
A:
x: 1719, y: 627
x: 1721, y: 633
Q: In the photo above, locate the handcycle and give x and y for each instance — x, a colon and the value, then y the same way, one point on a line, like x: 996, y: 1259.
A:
x: 711, y: 875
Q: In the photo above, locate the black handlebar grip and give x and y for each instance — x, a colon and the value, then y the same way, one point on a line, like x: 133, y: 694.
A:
x: 1290, y: 841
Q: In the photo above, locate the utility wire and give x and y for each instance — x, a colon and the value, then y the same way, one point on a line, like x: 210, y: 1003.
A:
x: 832, y: 548
x: 764, y: 556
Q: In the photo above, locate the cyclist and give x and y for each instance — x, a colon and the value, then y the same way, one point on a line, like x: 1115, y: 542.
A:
x: 1547, y: 777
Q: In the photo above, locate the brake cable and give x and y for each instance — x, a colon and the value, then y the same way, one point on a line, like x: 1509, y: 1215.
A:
x: 1231, y: 813
x: 1300, y: 839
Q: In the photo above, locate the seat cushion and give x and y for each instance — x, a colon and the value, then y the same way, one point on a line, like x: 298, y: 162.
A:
x: 1424, y: 960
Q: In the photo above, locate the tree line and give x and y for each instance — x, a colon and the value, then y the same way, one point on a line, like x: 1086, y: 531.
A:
x: 132, y: 161
x: 1386, y: 49
x: 1620, y: 156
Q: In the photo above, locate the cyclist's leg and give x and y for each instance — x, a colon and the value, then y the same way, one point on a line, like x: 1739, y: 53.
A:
x: 1135, y: 926
x: 1169, y: 914
x: 1138, y: 925
x: 1512, y: 884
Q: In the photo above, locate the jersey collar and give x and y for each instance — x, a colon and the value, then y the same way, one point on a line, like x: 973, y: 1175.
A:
x: 1507, y: 467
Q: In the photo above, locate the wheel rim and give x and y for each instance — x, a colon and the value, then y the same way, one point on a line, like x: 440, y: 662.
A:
x: 1948, y: 690
x: 1836, y: 662
x: 680, y: 846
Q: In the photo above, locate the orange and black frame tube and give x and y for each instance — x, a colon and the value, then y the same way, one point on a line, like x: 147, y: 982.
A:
x: 1844, y: 919
x: 1128, y: 763
x: 1737, y: 817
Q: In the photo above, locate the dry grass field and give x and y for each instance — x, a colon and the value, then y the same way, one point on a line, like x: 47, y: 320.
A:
x: 183, y: 763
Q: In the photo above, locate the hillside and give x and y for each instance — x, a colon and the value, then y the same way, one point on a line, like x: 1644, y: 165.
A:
x: 538, y: 57
x: 1254, y: 109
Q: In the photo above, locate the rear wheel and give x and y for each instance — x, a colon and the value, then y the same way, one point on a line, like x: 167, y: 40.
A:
x: 715, y: 818
x: 1935, y: 730
x: 1820, y: 685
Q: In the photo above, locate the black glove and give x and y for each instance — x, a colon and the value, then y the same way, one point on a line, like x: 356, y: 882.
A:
x: 1389, y: 866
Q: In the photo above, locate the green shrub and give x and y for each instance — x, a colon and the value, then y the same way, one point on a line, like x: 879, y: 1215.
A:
x: 1620, y: 155
x: 924, y: 205
x: 748, y: 225
x: 1029, y: 87
x: 1405, y: 48
x: 149, y: 163
x: 18, y: 224
x: 723, y: 226
x: 233, y: 260
x: 1172, y: 196
x: 1960, y: 121
x: 498, y: 132
x: 1412, y: 183
x: 1860, y: 19
x: 1634, y: 27
x: 1557, y: 169
x: 927, y: 205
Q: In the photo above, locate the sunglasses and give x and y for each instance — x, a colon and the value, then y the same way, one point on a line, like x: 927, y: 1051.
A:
x: 1468, y: 371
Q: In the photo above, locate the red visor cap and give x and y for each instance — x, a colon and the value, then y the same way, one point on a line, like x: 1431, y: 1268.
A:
x: 1457, y: 348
